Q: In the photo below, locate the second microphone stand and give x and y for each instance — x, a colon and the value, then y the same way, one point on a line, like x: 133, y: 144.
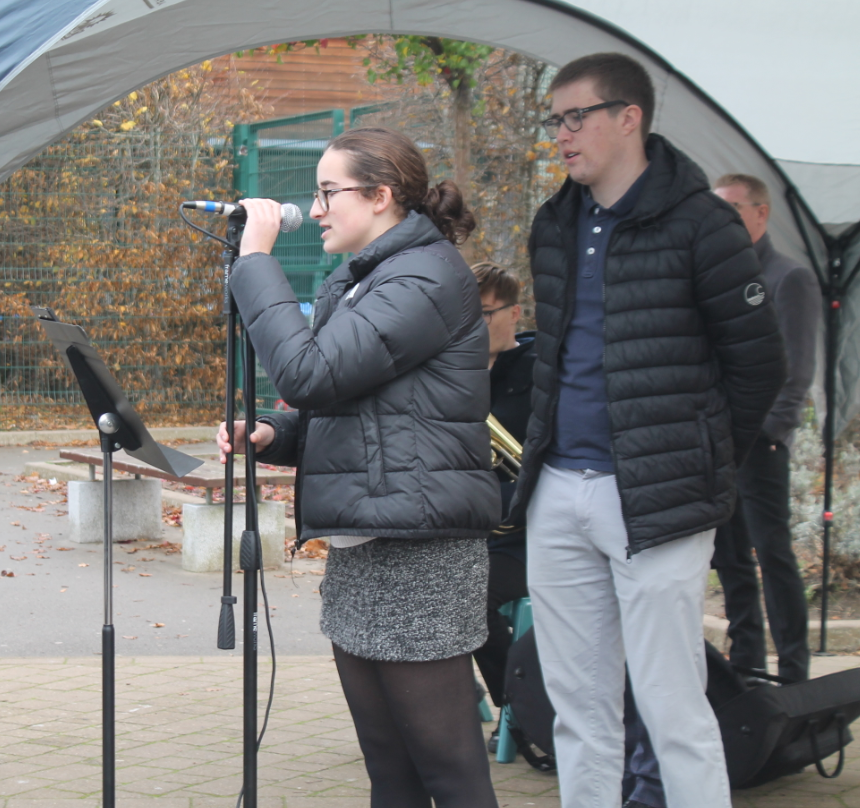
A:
x: 250, y: 552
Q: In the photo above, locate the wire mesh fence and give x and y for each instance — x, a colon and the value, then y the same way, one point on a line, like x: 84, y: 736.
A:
x: 91, y: 229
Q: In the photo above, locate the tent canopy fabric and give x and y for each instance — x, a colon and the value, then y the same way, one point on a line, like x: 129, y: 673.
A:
x: 782, y: 67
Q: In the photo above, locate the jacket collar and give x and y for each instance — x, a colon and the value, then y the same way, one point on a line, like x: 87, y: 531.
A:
x: 671, y: 178
x: 764, y: 249
x: 416, y: 230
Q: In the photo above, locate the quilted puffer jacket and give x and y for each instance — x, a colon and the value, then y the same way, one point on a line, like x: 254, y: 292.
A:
x: 693, y: 355
x: 391, y: 385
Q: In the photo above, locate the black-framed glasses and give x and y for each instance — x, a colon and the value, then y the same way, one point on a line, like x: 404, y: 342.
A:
x: 572, y: 118
x: 322, y: 194
x: 488, y: 314
x: 741, y: 205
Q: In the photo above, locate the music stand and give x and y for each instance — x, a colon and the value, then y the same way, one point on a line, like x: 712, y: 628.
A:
x: 119, y: 428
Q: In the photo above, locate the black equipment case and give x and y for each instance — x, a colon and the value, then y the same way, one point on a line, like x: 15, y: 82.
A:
x: 768, y: 731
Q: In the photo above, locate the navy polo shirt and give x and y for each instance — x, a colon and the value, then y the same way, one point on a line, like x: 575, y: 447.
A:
x: 581, y: 438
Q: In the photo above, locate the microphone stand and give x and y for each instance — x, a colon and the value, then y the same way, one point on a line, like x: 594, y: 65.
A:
x: 250, y: 552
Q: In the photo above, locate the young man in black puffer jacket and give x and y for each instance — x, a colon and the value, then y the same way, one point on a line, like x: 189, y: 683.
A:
x: 657, y: 360
x: 512, y: 360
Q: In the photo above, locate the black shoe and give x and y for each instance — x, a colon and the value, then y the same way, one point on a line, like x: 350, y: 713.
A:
x: 493, y: 743
x: 635, y: 804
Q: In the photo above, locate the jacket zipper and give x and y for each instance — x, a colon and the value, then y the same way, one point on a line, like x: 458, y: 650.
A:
x: 628, y: 549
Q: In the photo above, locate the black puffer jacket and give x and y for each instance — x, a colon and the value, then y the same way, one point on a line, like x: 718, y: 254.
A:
x: 391, y: 385
x: 693, y: 355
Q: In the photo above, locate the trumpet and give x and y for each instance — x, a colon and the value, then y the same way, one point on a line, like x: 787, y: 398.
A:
x: 507, y: 457
x: 506, y: 451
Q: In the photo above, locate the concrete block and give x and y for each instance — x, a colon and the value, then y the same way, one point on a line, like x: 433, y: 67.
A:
x: 136, y: 510
x: 203, y: 535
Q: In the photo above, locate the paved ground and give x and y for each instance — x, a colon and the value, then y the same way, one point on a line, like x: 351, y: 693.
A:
x: 58, y: 593
x: 179, y: 701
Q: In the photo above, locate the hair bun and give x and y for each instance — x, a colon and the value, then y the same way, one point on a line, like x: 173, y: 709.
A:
x: 445, y: 206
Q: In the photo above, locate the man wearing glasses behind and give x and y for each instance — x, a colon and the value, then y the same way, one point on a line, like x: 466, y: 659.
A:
x: 655, y: 369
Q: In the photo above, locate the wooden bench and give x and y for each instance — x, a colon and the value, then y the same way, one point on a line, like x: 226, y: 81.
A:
x: 209, y: 476
x: 202, y: 525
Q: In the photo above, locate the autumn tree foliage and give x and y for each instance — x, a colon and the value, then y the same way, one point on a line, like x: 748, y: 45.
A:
x: 91, y: 228
x: 489, y: 138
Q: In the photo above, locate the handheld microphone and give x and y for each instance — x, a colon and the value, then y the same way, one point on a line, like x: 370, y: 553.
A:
x: 291, y: 216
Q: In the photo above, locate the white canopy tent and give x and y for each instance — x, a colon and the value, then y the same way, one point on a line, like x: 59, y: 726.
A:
x: 781, y: 67
x: 785, y: 69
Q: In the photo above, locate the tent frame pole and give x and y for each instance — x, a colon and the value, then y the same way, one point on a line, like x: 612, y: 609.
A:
x: 832, y: 321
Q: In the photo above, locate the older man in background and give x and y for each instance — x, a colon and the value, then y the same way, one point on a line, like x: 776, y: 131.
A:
x: 761, y: 519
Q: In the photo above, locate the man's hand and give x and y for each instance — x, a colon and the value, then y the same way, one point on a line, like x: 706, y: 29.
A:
x: 262, y: 226
x: 262, y: 436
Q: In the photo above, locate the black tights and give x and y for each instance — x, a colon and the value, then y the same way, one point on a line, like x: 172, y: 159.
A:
x: 419, y: 730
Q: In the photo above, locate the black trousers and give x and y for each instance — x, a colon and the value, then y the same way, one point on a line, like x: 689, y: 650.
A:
x: 761, y: 522
x: 507, y: 582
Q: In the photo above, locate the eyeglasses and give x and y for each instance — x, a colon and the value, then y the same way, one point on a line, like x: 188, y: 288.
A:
x: 488, y: 315
x: 572, y: 119
x: 322, y: 194
x: 739, y: 205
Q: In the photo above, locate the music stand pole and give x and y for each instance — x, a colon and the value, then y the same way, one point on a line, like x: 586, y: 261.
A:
x: 108, y: 425
x: 119, y: 428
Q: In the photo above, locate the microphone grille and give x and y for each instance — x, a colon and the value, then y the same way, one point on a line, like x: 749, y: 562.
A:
x: 291, y: 218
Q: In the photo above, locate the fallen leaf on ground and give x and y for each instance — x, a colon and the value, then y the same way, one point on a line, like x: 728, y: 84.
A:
x: 168, y: 546
x: 145, y: 575
x: 15, y: 524
x: 64, y: 589
x: 65, y: 549
x: 158, y: 625
x: 129, y: 637
x: 18, y: 558
x: 315, y: 548
x: 83, y: 565
x: 7, y: 574
x: 128, y: 569
x: 295, y: 596
x: 317, y: 572
x: 130, y: 550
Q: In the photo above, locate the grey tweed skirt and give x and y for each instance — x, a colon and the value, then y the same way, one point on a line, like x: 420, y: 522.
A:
x: 406, y: 600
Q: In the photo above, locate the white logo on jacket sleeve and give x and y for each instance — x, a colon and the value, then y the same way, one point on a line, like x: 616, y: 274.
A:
x: 754, y: 294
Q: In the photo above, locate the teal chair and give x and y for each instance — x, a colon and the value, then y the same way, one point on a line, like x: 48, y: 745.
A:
x: 519, y: 613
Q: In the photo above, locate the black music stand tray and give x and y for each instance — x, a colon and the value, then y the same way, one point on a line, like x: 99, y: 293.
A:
x: 119, y: 428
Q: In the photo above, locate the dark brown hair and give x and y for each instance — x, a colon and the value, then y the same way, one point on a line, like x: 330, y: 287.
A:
x: 495, y: 280
x: 378, y: 156
x: 756, y: 189
x: 616, y: 77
